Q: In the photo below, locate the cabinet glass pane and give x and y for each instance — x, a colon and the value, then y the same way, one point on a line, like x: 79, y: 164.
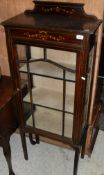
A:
x: 47, y: 78
x: 48, y: 120
x: 64, y: 58
x: 89, y: 82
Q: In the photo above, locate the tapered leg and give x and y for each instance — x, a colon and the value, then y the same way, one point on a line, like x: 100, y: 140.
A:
x: 24, y: 145
x: 76, y: 161
x: 83, y: 151
x: 7, y: 154
x: 83, y: 147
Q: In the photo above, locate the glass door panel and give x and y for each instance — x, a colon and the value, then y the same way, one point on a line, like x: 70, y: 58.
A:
x: 90, y: 72
x: 47, y: 78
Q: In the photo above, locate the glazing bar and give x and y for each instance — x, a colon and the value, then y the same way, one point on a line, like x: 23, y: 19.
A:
x: 28, y: 54
x: 64, y: 95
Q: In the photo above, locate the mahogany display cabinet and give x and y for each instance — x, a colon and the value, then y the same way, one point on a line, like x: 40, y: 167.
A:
x: 52, y: 53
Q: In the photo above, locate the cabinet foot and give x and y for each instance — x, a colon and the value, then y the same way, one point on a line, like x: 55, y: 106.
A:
x: 34, y: 142
x: 12, y: 173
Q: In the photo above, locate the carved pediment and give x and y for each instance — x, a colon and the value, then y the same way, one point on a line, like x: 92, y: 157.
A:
x: 74, y: 10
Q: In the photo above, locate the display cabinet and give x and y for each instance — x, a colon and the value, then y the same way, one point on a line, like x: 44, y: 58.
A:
x: 52, y: 53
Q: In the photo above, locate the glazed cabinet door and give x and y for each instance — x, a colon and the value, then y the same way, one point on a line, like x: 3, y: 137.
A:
x: 48, y: 79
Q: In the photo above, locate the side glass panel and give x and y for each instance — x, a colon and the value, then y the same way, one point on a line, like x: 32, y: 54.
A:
x: 90, y: 70
x: 47, y: 78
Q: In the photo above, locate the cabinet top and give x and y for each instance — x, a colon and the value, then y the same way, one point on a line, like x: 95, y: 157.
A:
x: 55, y: 16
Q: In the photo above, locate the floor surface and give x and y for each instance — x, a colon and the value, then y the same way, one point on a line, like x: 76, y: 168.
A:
x: 46, y: 159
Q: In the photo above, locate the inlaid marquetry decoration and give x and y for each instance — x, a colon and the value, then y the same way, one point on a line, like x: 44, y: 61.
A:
x: 35, y: 35
x: 59, y: 10
x: 43, y: 35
